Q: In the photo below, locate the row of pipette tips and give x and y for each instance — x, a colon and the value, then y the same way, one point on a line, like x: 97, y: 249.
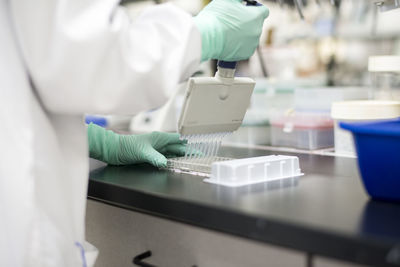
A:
x: 203, y: 148
x: 201, y: 151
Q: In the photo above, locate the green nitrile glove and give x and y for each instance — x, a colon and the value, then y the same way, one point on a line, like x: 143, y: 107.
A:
x: 230, y: 31
x: 119, y: 149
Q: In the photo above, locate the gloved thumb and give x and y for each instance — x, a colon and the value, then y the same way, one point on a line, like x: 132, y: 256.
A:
x: 155, y: 158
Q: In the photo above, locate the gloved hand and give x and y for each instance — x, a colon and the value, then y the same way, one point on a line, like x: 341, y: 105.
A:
x: 119, y: 149
x: 230, y: 31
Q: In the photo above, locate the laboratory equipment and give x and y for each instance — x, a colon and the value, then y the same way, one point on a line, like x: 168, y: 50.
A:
x: 358, y: 111
x: 200, y: 166
x: 385, y: 76
x: 378, y: 146
x: 302, y: 130
x: 248, y: 171
x: 213, y: 108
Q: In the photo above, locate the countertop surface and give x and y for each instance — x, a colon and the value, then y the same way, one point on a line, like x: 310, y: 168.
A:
x: 325, y: 212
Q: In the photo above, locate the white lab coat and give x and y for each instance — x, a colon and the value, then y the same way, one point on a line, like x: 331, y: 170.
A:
x: 83, y: 56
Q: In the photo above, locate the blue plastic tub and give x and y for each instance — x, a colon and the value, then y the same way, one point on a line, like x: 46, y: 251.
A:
x: 378, y: 151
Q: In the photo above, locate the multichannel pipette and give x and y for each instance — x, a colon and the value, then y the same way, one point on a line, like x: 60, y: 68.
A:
x: 213, y: 108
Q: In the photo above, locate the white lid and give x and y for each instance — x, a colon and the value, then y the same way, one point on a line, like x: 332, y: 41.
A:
x: 384, y: 64
x: 365, y: 110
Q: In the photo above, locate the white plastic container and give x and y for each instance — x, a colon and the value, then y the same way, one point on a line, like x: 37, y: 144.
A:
x: 385, y: 76
x: 303, y: 131
x: 248, y: 171
x: 353, y: 111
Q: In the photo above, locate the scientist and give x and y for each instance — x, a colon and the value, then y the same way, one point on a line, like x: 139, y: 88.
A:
x: 63, y: 58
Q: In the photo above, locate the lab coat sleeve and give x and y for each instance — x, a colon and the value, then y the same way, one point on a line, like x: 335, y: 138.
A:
x: 87, y: 56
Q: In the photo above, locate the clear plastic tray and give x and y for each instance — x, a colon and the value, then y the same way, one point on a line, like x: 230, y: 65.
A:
x: 302, y: 130
x: 309, y: 139
x: 248, y: 171
x: 197, y: 166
